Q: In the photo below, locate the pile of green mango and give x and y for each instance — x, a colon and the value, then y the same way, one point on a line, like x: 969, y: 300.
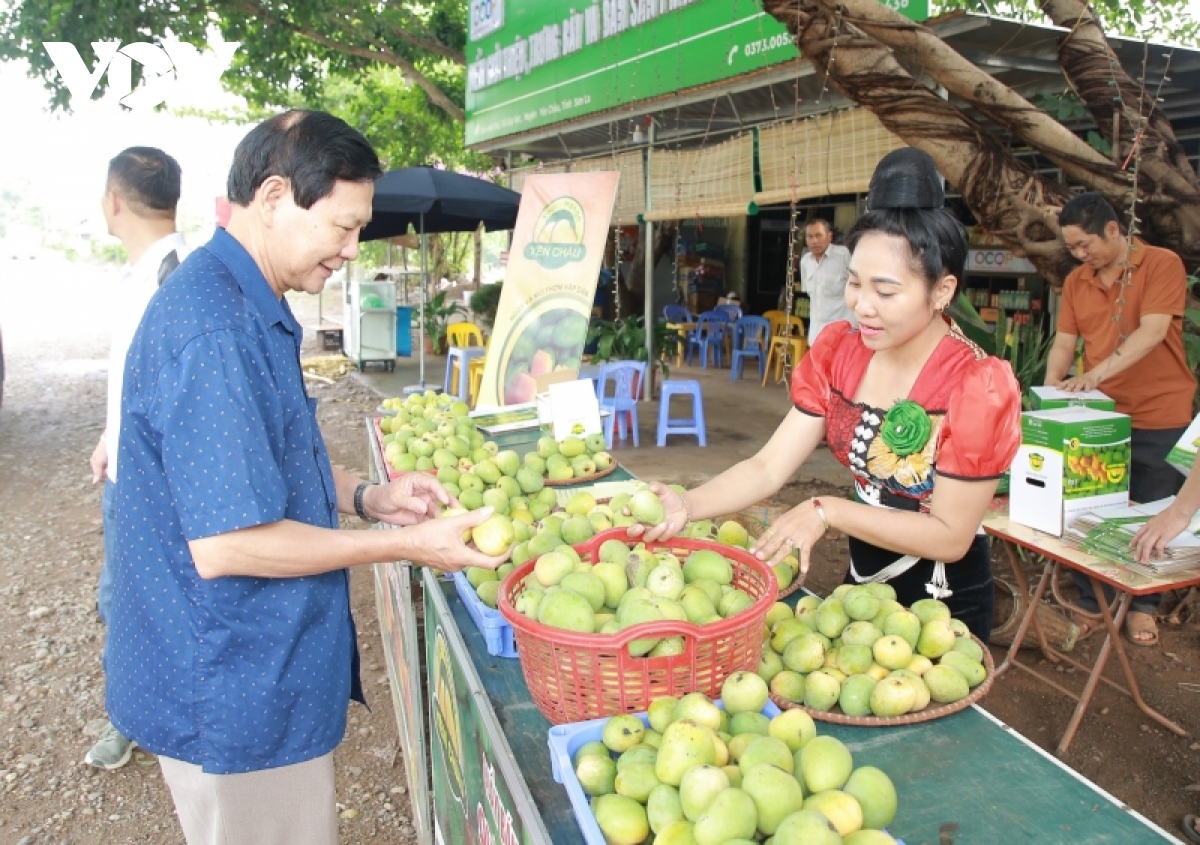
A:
x: 694, y: 774
x: 866, y: 653
x: 431, y: 432
x: 629, y: 585
x: 733, y: 533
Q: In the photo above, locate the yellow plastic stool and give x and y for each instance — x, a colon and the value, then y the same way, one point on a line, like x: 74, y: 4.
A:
x: 798, y: 348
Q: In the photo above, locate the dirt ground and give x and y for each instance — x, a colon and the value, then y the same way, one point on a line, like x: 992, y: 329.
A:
x: 51, y: 686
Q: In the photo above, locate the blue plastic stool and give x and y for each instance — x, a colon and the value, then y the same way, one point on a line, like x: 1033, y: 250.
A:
x: 692, y: 425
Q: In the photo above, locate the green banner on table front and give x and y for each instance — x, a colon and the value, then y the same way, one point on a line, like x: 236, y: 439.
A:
x: 399, y: 631
x: 531, y: 63
x: 553, y: 266
x: 472, y: 802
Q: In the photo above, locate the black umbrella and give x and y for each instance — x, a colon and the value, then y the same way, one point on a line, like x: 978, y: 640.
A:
x: 433, y: 200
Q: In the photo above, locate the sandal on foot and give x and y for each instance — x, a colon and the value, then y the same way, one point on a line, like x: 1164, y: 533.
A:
x: 1137, y: 622
x: 1189, y: 829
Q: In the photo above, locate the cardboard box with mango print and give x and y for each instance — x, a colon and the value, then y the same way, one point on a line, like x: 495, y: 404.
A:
x: 1071, y: 460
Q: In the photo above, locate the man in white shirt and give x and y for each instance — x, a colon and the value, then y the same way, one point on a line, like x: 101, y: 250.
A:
x: 139, y: 202
x: 823, y: 272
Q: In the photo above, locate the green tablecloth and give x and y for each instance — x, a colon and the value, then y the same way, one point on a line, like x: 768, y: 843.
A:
x: 962, y: 779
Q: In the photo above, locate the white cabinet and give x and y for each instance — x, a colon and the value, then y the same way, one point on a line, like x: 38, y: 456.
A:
x: 370, y: 329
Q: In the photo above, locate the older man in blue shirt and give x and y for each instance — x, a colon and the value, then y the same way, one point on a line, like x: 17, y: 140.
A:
x: 231, y: 651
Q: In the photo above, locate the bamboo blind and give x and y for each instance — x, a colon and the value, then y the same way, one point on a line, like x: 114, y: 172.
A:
x: 713, y: 181
x: 631, y: 189
x: 821, y: 155
x: 518, y: 174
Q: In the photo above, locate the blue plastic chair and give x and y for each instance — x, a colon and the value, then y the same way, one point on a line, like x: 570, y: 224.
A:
x: 709, y: 334
x: 677, y: 314
x: 628, y: 379
x: 750, y: 335
x: 734, y: 312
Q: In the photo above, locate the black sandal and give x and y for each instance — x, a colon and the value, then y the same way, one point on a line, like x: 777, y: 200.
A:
x: 1189, y: 829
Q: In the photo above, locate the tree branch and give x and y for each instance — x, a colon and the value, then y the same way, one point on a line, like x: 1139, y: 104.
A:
x: 919, y: 45
x: 436, y: 95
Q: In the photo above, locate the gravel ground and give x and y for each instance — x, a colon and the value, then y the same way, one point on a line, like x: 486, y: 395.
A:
x: 54, y: 319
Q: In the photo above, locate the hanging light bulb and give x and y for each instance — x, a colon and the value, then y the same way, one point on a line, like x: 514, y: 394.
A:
x: 638, y: 137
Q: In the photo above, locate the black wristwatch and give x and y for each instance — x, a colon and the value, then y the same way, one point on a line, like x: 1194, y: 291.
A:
x: 358, y: 502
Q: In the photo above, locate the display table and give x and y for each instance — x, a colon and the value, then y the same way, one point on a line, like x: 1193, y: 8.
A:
x: 486, y: 775
x: 1055, y: 554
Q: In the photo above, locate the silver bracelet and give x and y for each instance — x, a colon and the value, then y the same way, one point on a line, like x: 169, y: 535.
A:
x: 686, y: 510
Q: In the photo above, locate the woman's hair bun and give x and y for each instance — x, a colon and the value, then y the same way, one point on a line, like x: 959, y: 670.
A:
x: 906, y: 178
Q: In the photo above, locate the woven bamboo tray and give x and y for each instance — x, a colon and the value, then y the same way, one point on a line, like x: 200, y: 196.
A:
x: 570, y: 482
x: 794, y: 586
x: 930, y: 712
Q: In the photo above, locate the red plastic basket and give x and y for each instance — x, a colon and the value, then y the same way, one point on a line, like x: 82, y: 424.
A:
x: 573, y: 676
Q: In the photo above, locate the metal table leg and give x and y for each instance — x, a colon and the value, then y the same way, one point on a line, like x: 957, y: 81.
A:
x: 1010, y: 659
x: 1112, y: 622
x: 1112, y: 642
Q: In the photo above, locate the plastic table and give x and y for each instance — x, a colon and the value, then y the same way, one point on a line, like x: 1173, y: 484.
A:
x: 1056, y: 554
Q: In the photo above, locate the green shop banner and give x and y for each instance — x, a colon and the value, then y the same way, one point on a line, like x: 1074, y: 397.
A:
x: 532, y: 63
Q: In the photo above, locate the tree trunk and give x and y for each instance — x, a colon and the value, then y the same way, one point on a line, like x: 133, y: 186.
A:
x: 1009, y: 199
x: 1168, y: 187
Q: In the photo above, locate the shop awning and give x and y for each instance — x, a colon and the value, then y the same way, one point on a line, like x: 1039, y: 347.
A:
x: 833, y: 153
x: 631, y: 190
x: 713, y: 181
x: 517, y: 176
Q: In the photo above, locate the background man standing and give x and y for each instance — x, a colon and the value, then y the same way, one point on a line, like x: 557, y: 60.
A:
x: 823, y: 272
x: 1126, y: 301
x: 140, y: 197
x: 232, y: 654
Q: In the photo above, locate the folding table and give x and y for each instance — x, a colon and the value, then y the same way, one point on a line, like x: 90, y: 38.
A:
x: 1056, y: 554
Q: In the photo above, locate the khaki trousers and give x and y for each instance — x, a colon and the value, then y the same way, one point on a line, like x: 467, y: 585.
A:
x: 289, y: 805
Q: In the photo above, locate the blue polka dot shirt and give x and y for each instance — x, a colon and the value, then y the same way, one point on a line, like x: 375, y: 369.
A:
x: 233, y: 674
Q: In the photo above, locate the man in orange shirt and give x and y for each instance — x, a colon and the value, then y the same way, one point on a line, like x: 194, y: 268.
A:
x: 1126, y: 301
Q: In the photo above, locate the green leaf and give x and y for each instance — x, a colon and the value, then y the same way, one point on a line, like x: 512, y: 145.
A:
x: 1099, y: 143
x: 1191, y: 344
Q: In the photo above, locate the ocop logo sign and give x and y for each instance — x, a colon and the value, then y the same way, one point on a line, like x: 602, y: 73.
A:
x: 165, y: 69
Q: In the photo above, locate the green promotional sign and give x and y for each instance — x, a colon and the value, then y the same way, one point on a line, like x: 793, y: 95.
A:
x: 532, y: 63
x: 472, y: 801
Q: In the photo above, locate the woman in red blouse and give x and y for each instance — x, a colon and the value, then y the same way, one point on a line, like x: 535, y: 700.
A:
x: 924, y: 419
